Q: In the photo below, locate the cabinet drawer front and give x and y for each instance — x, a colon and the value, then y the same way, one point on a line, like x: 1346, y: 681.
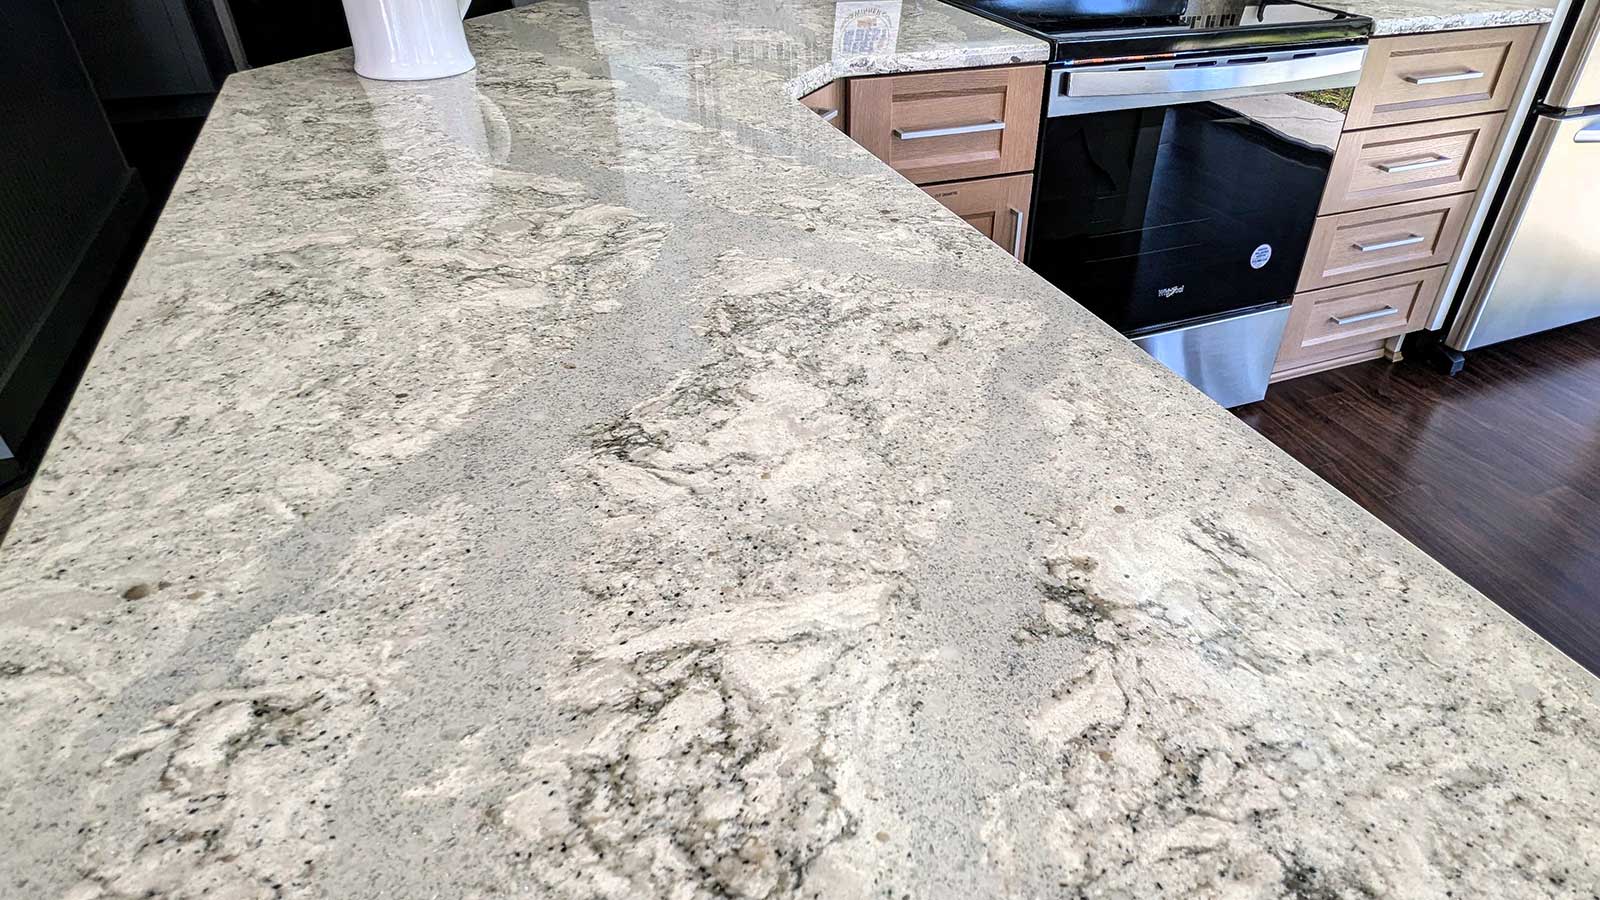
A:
x: 1435, y: 76
x: 998, y: 207
x: 943, y: 126
x: 1335, y: 321
x: 1411, y: 162
x: 1358, y: 245
x: 828, y: 102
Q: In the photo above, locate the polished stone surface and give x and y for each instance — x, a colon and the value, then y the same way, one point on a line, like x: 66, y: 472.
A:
x: 825, y: 41
x: 1392, y: 17
x: 597, y: 477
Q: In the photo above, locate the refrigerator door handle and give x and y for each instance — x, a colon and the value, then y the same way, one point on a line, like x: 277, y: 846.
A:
x: 1576, y: 80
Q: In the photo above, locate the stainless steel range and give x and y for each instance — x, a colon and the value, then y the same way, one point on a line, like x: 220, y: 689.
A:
x: 1183, y: 155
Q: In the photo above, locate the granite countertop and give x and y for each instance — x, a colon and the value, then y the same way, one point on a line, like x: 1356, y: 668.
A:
x: 1391, y: 17
x: 594, y: 476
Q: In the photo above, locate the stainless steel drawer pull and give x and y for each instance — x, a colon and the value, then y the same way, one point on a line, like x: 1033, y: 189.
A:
x: 1362, y: 317
x: 1392, y: 168
x: 919, y: 133
x: 1467, y: 75
x: 1406, y: 241
x: 1016, y: 236
x: 828, y: 115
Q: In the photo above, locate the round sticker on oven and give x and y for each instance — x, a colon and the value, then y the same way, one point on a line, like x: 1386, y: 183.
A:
x: 1261, y: 257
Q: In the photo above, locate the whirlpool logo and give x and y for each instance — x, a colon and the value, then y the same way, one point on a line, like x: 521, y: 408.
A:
x: 1167, y: 293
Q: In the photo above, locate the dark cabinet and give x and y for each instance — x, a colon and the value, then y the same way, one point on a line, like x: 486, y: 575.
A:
x: 69, y: 204
x: 143, y: 49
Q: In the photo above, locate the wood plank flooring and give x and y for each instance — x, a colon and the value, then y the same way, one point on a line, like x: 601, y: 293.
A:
x: 1495, y: 473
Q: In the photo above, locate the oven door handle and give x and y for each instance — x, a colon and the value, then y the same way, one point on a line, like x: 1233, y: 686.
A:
x: 1102, y: 88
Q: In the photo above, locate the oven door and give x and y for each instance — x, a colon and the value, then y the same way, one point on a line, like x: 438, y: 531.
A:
x: 1180, y: 190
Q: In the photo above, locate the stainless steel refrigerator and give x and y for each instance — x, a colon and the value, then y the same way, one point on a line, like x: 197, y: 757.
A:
x: 1540, y: 261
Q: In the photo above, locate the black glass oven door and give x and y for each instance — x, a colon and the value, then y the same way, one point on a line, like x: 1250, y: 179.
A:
x: 1158, y: 215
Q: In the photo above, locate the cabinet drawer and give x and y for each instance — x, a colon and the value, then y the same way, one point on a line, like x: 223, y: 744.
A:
x: 828, y: 102
x: 1435, y: 76
x: 1357, y: 245
x: 942, y: 126
x: 998, y: 207
x: 1334, y: 321
x: 1411, y: 162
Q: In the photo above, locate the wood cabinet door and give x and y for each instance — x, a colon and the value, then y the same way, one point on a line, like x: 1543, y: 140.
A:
x: 1335, y: 321
x: 998, y: 207
x: 1421, y: 77
x: 1372, y: 242
x: 944, y: 126
x: 1400, y: 163
x: 828, y: 102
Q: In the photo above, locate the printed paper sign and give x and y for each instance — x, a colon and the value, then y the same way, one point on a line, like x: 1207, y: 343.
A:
x: 865, y: 27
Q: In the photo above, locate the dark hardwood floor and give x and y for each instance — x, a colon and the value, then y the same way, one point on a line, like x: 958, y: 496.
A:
x: 1495, y: 473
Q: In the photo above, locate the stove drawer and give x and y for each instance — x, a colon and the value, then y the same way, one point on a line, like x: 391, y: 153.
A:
x: 943, y: 126
x: 1422, y: 77
x: 1411, y: 162
x: 997, y: 207
x: 1335, y: 321
x: 1370, y: 243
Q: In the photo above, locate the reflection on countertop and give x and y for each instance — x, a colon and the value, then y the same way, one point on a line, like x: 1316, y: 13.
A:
x: 598, y: 477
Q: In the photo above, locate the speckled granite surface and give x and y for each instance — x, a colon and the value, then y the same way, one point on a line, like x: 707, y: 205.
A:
x: 825, y: 41
x: 1392, y: 17
x: 597, y: 477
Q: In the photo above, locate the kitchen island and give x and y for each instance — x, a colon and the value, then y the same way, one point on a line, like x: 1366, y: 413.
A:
x: 596, y: 476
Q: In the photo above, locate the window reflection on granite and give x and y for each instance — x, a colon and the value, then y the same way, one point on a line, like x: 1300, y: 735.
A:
x: 624, y: 105
x: 698, y: 94
x: 442, y: 139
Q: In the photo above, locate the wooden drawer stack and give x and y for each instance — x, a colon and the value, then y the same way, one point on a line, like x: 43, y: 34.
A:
x: 968, y: 137
x: 1425, y: 120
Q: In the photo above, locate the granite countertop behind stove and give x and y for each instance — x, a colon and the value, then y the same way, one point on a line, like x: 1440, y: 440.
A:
x: 1393, y: 17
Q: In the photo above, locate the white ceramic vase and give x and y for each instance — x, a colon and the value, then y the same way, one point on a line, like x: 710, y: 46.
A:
x: 408, y: 40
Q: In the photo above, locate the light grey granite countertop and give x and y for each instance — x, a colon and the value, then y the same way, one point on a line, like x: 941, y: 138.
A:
x: 594, y: 476
x: 825, y: 41
x: 1391, y: 17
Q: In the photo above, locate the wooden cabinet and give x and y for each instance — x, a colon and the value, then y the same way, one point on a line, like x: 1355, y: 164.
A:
x: 828, y: 102
x: 1349, y: 323
x: 945, y: 126
x: 1411, y: 162
x: 967, y: 136
x: 1426, y: 120
x: 1372, y: 242
x: 1433, y: 76
x: 998, y: 207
